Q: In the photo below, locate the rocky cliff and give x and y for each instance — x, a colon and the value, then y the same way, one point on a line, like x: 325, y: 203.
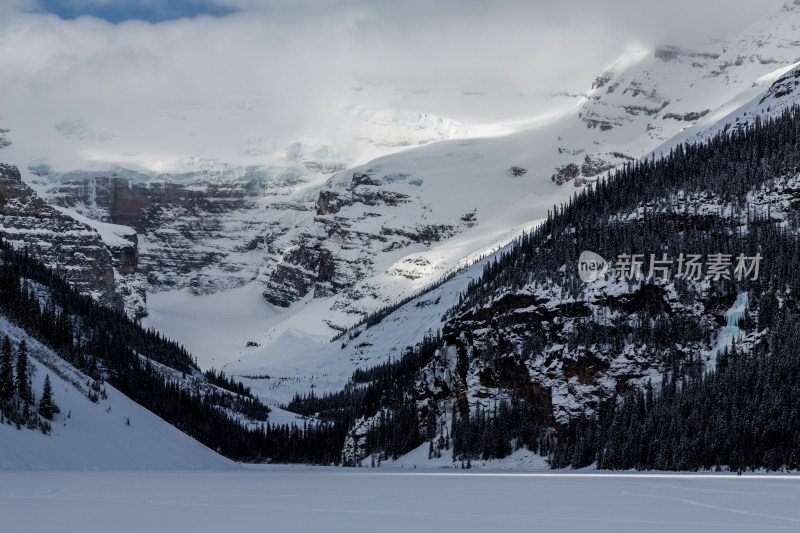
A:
x: 356, y: 224
x: 196, y: 235
x: 101, y: 262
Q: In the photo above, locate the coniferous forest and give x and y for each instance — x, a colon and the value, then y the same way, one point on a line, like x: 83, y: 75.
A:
x: 742, y: 412
x: 742, y: 415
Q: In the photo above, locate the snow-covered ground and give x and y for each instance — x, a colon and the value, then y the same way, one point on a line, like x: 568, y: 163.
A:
x: 313, y: 499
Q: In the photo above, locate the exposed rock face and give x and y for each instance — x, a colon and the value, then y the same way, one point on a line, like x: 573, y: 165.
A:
x: 780, y: 92
x: 190, y: 233
x: 352, y: 227
x: 594, y: 166
x: 517, y: 171
x: 566, y: 173
x: 328, y: 203
x: 363, y: 189
x: 138, y: 204
x: 75, y: 250
x: 691, y: 116
x: 671, y: 53
x: 520, y: 343
x: 335, y: 254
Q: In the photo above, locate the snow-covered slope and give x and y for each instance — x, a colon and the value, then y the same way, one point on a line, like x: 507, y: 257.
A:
x: 782, y: 93
x: 114, y: 433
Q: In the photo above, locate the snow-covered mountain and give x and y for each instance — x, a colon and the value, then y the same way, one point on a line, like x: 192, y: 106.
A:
x: 257, y: 268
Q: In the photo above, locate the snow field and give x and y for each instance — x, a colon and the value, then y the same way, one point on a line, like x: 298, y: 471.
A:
x: 319, y: 499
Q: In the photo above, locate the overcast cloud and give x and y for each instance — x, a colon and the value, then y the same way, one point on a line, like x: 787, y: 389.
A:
x: 276, y: 72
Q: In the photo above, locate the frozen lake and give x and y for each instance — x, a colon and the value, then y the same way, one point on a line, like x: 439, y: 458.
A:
x: 304, y: 499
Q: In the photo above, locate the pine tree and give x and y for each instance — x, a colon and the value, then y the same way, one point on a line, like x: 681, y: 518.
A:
x: 6, y: 371
x: 23, y: 381
x: 46, y: 406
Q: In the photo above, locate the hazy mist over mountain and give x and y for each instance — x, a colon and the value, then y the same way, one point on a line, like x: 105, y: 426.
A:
x: 239, y: 81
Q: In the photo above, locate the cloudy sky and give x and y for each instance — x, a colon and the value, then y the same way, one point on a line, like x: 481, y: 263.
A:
x: 154, y: 81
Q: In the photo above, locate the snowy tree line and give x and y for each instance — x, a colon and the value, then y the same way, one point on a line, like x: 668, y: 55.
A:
x: 106, y: 345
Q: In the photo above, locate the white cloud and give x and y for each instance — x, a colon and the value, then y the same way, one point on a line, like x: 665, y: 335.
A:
x: 280, y: 71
